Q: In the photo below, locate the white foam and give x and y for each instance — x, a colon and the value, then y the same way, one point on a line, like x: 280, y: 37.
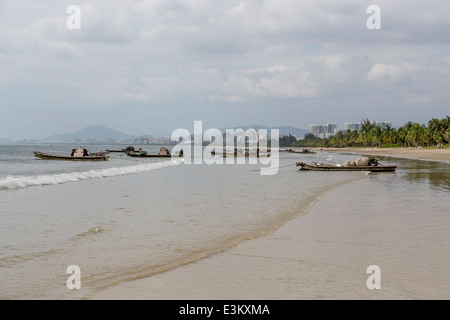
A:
x: 41, y: 180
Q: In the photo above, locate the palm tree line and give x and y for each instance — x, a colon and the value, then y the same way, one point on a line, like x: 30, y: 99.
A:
x: 412, y: 134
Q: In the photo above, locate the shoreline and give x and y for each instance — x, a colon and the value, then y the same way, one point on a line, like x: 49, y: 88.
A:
x: 441, y: 155
x: 321, y: 255
x: 315, y: 256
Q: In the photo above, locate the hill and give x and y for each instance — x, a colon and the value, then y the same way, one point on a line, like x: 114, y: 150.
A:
x: 102, y: 133
x: 95, y: 132
x: 298, y: 132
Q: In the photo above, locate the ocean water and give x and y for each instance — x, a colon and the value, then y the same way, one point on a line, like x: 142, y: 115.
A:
x: 129, y: 218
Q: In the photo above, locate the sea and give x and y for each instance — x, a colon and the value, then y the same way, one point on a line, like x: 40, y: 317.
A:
x: 130, y: 218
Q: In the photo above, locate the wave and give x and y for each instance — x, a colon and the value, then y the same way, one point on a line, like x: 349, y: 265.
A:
x: 42, y: 180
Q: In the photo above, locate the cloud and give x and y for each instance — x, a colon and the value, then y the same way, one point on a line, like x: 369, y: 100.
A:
x: 208, y: 55
x: 273, y: 81
x: 385, y: 72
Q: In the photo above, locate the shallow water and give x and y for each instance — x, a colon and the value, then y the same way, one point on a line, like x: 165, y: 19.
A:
x: 147, y: 216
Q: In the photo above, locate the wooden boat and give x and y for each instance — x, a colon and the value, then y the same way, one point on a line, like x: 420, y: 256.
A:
x: 163, y: 153
x: 79, y: 154
x: 127, y: 150
x: 239, y: 154
x: 146, y: 155
x: 302, y: 151
x: 321, y: 167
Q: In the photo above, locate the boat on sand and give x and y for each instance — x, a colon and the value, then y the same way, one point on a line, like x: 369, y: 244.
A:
x: 360, y: 164
x: 322, y: 167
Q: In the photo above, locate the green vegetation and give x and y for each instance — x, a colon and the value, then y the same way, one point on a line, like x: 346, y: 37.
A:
x: 435, y: 133
x: 287, y: 140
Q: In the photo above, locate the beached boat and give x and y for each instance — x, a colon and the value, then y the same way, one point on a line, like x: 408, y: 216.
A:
x: 301, y: 151
x: 79, y: 154
x: 163, y: 153
x: 324, y: 167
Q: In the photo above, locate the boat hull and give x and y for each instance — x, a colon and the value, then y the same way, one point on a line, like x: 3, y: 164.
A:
x: 120, y: 151
x: 352, y: 168
x: 241, y: 154
x: 301, y: 152
x: 46, y: 156
x: 149, y: 155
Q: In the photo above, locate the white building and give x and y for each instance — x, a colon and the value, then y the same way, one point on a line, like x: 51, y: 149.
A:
x: 323, y: 130
x: 357, y: 126
x: 383, y: 124
x: 352, y: 126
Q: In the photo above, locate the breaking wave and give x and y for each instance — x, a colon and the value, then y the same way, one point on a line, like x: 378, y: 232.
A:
x: 42, y: 180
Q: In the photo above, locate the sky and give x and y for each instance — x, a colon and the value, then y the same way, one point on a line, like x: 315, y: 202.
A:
x: 152, y: 66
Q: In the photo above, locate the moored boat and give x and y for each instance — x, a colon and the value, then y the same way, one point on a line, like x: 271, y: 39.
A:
x: 79, y: 154
x: 127, y: 150
x: 240, y: 153
x: 302, y: 151
x: 163, y: 153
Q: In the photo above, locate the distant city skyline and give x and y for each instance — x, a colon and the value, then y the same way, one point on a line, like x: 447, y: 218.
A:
x: 145, y: 67
x: 319, y: 130
x: 331, y: 129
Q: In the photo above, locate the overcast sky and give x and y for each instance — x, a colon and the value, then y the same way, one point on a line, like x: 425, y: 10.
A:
x: 151, y: 66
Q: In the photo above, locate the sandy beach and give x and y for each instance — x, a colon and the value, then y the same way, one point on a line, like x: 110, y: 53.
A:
x: 408, y: 153
x: 323, y: 254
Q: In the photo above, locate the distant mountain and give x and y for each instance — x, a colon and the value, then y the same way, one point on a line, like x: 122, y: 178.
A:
x: 97, y: 132
x: 102, y: 133
x: 5, y: 141
x: 299, y: 133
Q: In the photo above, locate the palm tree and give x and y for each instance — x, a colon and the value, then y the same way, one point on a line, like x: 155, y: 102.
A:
x: 416, y: 134
x: 434, y: 131
x: 388, y: 135
x: 365, y: 134
x: 375, y: 136
x: 338, y: 138
x: 438, y: 137
x: 446, y: 122
x: 403, y: 133
x: 446, y: 135
x: 446, y: 128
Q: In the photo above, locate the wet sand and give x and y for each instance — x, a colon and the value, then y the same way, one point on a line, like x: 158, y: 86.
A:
x: 409, y: 153
x: 323, y: 254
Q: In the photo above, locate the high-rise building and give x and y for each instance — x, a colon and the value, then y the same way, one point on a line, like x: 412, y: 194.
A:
x: 357, y: 126
x: 323, y: 130
x: 352, y: 126
x: 383, y: 124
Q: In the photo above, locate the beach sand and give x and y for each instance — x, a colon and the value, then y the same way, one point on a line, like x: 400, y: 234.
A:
x: 409, y: 153
x: 321, y: 255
